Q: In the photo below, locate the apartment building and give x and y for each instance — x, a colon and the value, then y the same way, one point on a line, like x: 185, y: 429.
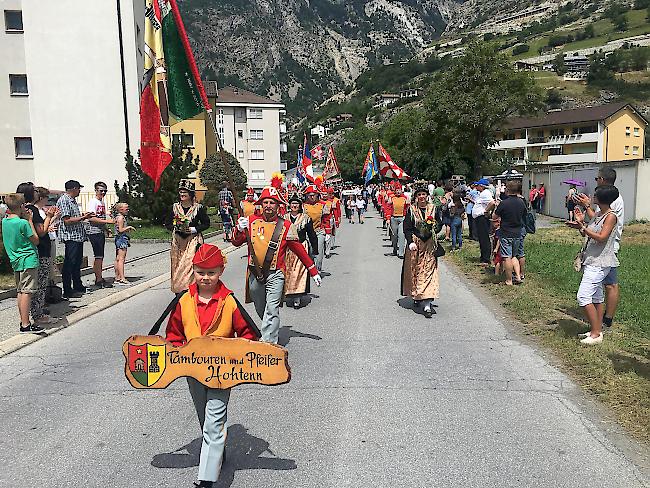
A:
x: 69, y: 90
x: 611, y: 132
x: 251, y: 128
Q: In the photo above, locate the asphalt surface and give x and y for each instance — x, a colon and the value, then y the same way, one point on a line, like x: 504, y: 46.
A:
x: 380, y: 397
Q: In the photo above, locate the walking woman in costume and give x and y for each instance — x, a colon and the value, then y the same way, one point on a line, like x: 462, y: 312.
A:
x: 187, y: 220
x: 297, y: 276
x: 420, y: 278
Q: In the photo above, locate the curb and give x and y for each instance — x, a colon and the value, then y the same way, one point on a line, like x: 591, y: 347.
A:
x: 11, y: 293
x: 21, y: 340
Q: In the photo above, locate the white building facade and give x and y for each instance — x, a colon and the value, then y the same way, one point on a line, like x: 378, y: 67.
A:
x: 252, y: 129
x: 69, y: 90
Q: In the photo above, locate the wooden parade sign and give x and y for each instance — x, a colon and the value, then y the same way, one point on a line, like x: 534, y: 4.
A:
x: 217, y: 362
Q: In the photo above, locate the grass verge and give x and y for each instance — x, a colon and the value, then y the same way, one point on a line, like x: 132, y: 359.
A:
x: 617, y: 372
x: 7, y: 281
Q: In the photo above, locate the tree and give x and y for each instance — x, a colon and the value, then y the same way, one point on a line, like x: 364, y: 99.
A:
x: 138, y: 192
x: 558, y: 64
x: 589, y: 31
x: 520, y: 49
x: 213, y: 173
x: 468, y: 102
x: 553, y: 98
x: 599, y: 73
x: 621, y: 23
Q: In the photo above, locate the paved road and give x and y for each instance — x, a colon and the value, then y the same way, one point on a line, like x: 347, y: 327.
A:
x: 380, y: 397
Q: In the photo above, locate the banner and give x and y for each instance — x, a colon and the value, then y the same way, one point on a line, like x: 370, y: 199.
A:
x: 318, y: 153
x: 331, y: 165
x: 172, y: 88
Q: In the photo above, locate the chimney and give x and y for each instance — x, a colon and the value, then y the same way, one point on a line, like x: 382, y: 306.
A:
x: 235, y: 90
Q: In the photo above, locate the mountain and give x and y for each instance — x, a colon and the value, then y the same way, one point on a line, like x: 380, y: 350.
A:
x: 301, y: 51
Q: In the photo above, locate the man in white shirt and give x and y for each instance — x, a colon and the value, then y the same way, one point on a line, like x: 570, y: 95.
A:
x: 96, y: 231
x: 483, y: 205
x: 607, y: 176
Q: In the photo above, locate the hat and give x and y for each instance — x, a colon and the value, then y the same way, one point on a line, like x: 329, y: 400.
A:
x: 482, y: 182
x: 311, y: 189
x: 186, y: 185
x: 250, y: 192
x: 295, y: 197
x: 420, y: 186
x: 272, y: 193
x: 72, y: 184
x: 209, y: 256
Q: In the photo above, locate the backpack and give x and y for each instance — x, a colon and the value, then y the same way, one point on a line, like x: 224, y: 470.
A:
x: 529, y: 221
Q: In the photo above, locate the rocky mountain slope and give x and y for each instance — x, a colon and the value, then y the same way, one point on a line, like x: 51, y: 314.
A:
x: 301, y: 51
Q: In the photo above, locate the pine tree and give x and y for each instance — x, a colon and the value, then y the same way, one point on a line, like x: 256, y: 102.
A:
x: 213, y: 173
x: 138, y: 192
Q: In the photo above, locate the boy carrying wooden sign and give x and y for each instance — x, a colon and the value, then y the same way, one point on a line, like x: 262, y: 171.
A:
x: 213, y: 342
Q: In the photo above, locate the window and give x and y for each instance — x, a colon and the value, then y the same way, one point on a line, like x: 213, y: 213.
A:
x: 257, y: 174
x: 13, y: 20
x: 23, y: 147
x: 183, y: 139
x: 627, y: 132
x: 635, y: 150
x: 585, y: 130
x: 557, y: 132
x: 636, y: 132
x: 257, y: 135
x: 240, y: 154
x: 627, y: 150
x: 240, y: 134
x: 254, y: 113
x: 257, y: 154
x: 18, y: 85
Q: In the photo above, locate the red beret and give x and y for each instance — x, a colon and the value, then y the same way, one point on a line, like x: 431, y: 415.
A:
x: 209, y: 256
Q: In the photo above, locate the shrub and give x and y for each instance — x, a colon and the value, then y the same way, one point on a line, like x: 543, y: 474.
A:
x: 520, y: 49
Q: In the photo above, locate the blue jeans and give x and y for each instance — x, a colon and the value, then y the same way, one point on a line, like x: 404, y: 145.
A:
x: 456, y: 232
x: 71, y: 272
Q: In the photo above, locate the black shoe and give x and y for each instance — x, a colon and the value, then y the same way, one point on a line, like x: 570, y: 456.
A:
x: 32, y: 329
x: 83, y: 289
x: 46, y: 311
x: 204, y: 484
x: 103, y: 284
x: 296, y: 304
x: 72, y: 294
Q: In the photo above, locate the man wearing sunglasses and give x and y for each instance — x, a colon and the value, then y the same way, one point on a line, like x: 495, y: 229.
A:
x: 96, y: 231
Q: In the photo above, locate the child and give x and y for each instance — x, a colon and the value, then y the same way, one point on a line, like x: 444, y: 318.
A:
x: 20, y: 240
x: 208, y: 308
x: 226, y: 217
x: 121, y: 242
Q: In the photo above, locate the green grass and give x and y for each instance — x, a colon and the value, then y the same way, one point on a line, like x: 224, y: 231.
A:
x: 7, y: 281
x: 617, y: 372
x: 604, y: 30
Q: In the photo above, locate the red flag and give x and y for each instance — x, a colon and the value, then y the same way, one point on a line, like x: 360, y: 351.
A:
x: 388, y: 168
x: 331, y: 166
x: 318, y: 153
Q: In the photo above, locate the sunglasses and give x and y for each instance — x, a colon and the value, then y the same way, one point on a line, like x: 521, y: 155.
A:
x: 102, y: 191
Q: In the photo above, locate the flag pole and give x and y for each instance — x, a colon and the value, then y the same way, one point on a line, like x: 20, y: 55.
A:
x: 222, y: 157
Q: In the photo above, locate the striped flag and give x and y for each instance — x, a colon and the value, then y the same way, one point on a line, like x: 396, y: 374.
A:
x: 388, y: 168
x: 172, y: 88
x: 307, y: 168
x: 370, y: 166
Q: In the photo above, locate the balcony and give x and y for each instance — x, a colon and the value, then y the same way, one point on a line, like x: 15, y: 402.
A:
x: 511, y: 144
x: 566, y: 139
x: 572, y: 158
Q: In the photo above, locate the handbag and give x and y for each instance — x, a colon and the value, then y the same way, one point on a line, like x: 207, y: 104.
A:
x: 53, y: 294
x: 439, y: 251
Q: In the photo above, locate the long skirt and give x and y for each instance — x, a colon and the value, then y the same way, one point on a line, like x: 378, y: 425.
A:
x: 420, y: 278
x: 182, y: 254
x: 296, y: 281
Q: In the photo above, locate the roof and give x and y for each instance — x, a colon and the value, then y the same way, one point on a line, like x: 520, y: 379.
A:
x: 575, y: 116
x: 233, y: 94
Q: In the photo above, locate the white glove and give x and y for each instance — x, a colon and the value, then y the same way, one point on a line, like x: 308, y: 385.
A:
x: 413, y: 246
x: 327, y: 237
x: 318, y: 280
x: 242, y: 224
x: 193, y: 230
